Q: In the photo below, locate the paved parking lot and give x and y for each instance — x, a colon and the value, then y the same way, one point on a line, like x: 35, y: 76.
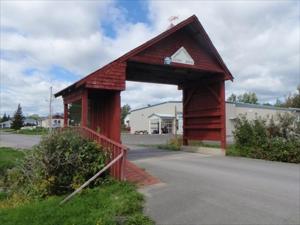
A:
x: 201, y: 189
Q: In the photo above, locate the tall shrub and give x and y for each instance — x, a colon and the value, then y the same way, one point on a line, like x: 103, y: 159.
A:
x: 60, y: 163
x: 273, y: 139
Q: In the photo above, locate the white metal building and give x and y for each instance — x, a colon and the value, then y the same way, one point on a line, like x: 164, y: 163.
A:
x: 160, y: 118
x: 155, y: 117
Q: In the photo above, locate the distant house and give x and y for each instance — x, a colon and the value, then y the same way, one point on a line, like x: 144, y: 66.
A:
x: 30, y: 122
x: 57, y: 121
x: 6, y: 124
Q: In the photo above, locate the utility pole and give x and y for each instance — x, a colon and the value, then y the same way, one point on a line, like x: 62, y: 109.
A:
x: 50, y: 110
x: 176, y: 122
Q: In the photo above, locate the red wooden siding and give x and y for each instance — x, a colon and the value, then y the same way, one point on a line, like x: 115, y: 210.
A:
x: 165, y: 48
x: 73, y: 96
x: 105, y: 113
x: 203, y: 112
x: 111, y: 77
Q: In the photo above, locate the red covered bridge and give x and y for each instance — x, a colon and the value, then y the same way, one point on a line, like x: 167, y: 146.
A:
x: 184, y: 56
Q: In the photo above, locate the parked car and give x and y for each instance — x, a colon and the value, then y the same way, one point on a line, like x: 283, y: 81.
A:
x: 141, y: 132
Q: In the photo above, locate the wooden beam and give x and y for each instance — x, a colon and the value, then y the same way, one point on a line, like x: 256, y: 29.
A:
x: 223, y: 115
x: 115, y: 131
x: 84, y: 108
x: 186, y: 102
x: 65, y: 114
x: 212, y: 91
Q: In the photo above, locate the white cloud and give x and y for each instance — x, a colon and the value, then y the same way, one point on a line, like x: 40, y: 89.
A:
x: 139, y: 95
x: 259, y: 41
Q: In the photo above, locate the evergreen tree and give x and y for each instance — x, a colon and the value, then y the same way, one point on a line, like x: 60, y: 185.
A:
x: 18, y: 119
x: 4, y: 118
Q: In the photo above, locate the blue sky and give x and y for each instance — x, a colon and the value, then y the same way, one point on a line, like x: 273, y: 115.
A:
x: 258, y: 40
x: 134, y: 11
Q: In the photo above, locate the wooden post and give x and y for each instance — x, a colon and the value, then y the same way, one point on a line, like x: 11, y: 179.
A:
x: 65, y: 114
x: 185, y: 140
x: 84, y: 108
x: 223, y: 115
x: 115, y: 126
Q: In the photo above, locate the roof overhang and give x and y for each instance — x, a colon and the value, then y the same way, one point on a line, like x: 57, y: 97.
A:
x: 191, y: 25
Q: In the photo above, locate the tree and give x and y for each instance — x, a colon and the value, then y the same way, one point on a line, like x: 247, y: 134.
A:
x: 278, y: 103
x: 247, y: 97
x: 5, y: 118
x: 74, y: 114
x: 18, y: 119
x: 232, y: 98
x: 34, y: 116
x: 124, y: 112
x: 293, y: 101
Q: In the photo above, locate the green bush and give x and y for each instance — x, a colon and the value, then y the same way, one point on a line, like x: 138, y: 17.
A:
x: 173, y: 144
x: 270, y: 139
x: 60, y: 163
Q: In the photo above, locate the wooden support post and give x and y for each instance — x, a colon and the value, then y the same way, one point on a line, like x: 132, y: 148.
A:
x: 223, y: 115
x: 115, y: 126
x: 184, y: 104
x: 65, y: 114
x: 84, y: 108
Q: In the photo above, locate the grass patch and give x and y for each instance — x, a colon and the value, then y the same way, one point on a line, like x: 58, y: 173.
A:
x: 112, y: 203
x: 9, y: 157
x: 202, y: 144
x: 6, y: 129
x: 232, y: 150
x: 174, y: 144
x: 169, y: 147
x: 35, y: 131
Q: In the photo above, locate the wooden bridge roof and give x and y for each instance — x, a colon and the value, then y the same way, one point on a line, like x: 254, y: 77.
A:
x: 149, y: 56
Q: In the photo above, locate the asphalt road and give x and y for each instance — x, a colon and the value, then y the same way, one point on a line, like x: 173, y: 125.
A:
x: 18, y: 140
x: 27, y: 141
x: 201, y: 189
x: 150, y: 139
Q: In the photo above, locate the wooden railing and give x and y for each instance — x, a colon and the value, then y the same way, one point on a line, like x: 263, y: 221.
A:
x: 115, y: 150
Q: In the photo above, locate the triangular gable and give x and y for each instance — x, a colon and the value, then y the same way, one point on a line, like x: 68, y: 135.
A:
x: 182, y: 56
x: 121, y: 61
x: 211, y: 54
